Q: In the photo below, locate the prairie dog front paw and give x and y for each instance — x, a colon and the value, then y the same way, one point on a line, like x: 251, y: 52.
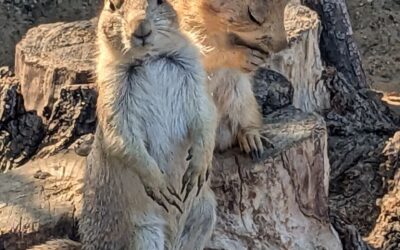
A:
x: 160, y: 191
x: 253, y: 59
x: 197, y: 172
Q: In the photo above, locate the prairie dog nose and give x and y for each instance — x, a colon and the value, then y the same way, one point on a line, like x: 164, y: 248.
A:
x: 143, y: 30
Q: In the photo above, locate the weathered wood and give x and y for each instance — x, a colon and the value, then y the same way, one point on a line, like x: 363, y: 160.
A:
x: 21, y: 132
x: 352, y: 112
x: 385, y: 232
x: 16, y: 17
x: 52, y: 56
x: 349, y: 234
x: 325, y: 69
x: 347, y: 108
x: 359, y: 123
x: 338, y: 46
x: 35, y: 206
x: 73, y: 116
x: 55, y: 68
x: 301, y: 62
x: 279, y: 203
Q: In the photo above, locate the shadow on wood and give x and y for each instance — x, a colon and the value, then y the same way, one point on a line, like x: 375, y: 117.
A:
x: 278, y: 203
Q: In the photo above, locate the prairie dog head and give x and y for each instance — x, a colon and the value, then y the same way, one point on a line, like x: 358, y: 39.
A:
x: 132, y: 29
x: 253, y: 23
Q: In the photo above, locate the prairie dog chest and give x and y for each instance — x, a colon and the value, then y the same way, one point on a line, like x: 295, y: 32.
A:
x: 159, y: 99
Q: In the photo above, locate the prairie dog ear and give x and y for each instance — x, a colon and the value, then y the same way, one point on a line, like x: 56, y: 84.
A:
x: 114, y: 5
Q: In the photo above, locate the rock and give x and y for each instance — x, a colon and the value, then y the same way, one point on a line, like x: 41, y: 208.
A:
x: 278, y: 203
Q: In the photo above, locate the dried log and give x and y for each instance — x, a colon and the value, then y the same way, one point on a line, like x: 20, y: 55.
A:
x: 52, y: 56
x: 73, y: 116
x: 348, y: 108
x: 386, y: 230
x: 40, y: 200
x: 301, y: 62
x: 55, y: 66
x: 279, y: 203
x: 324, y: 66
x: 338, y: 48
x: 349, y: 234
x: 21, y: 132
x: 328, y: 92
x: 16, y: 17
x: 272, y: 91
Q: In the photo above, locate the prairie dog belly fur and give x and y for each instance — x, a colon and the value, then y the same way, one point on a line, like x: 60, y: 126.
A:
x: 158, y: 101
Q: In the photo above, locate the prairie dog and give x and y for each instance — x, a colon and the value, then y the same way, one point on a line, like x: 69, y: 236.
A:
x: 234, y: 34
x: 153, y: 106
x: 235, y: 37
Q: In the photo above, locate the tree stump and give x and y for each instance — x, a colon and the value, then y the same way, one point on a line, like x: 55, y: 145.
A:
x: 55, y: 66
x: 338, y: 46
x: 52, y: 56
x: 325, y: 69
x: 21, y: 131
x: 281, y: 202
x: 301, y: 62
x: 278, y: 203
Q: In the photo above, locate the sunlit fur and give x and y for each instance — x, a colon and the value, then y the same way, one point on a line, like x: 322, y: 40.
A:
x: 227, y: 37
x: 149, y: 116
x: 215, y: 22
x: 152, y: 107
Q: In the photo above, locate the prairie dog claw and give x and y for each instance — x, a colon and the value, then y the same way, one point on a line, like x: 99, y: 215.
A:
x: 163, y: 194
x: 195, y: 174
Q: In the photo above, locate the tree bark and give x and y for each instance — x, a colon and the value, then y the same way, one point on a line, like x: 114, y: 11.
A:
x: 325, y: 68
x: 338, y: 47
x: 53, y: 56
x: 55, y: 67
x: 21, y: 131
x: 278, y: 203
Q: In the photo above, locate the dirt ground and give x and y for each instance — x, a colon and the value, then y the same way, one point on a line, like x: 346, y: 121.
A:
x: 376, y: 25
x: 17, y: 16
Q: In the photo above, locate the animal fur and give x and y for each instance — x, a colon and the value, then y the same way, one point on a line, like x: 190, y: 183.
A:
x: 235, y: 37
x: 153, y: 106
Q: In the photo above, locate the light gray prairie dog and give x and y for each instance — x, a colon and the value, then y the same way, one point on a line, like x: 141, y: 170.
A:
x: 153, y: 106
x: 235, y: 37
